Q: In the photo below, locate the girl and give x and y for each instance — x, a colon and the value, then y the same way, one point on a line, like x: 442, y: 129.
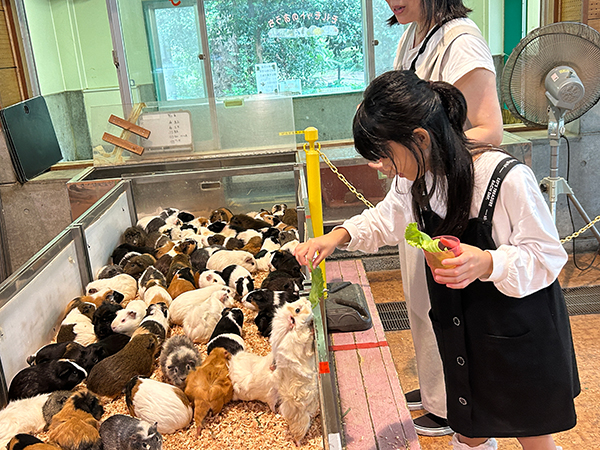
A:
x: 499, y: 317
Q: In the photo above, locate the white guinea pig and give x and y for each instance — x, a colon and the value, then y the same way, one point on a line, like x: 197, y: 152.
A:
x: 223, y: 258
x: 129, y: 319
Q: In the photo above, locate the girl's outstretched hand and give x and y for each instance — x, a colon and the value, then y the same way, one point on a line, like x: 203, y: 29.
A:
x: 317, y: 249
x: 471, y: 264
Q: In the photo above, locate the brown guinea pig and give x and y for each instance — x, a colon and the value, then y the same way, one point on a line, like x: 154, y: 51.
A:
x: 109, y: 376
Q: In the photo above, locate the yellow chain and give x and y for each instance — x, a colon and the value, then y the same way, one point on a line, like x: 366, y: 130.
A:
x: 343, y: 178
x: 370, y: 205
x: 577, y: 233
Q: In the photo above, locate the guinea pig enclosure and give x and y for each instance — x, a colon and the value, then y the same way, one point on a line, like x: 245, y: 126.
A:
x: 33, y: 300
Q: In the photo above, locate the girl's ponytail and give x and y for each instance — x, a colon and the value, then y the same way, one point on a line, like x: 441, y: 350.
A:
x: 453, y: 102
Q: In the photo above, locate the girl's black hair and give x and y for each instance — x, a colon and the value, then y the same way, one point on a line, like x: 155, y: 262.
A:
x: 438, y: 11
x: 394, y: 105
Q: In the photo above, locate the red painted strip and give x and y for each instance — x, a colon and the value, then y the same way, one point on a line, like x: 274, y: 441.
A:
x: 324, y: 367
x: 337, y: 348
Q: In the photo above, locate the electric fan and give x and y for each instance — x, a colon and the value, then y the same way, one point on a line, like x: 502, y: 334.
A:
x: 552, y: 77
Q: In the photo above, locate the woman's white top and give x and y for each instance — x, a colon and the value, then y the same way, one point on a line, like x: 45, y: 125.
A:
x: 453, y: 51
x: 529, y: 256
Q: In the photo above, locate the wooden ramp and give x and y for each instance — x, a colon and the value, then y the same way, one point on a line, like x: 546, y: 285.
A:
x: 374, y: 413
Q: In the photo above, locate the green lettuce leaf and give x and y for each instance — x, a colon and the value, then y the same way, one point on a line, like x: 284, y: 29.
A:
x: 317, y: 286
x: 421, y: 240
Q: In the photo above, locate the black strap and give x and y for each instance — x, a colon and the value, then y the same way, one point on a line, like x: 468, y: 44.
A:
x: 413, y: 65
x: 489, y: 200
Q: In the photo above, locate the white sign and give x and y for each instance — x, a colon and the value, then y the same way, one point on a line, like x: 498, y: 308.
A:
x: 168, y: 130
x: 291, y: 86
x: 266, y: 78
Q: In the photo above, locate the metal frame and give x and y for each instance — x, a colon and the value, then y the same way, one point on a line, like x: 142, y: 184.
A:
x: 119, y: 58
x: 27, y: 48
x: 5, y: 265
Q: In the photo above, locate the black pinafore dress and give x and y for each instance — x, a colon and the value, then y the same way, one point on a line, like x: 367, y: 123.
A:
x: 509, y: 363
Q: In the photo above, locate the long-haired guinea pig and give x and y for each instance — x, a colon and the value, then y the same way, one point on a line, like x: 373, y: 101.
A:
x: 178, y: 357
x: 209, y: 386
x: 75, y: 426
x: 292, y: 347
x: 253, y: 378
x: 47, y: 377
x: 121, y: 432
x: 22, y: 416
x: 27, y: 441
x: 129, y: 318
x: 103, y: 318
x: 138, y: 264
x: 181, y: 305
x: 200, y: 320
x: 135, y: 236
x: 109, y: 376
x: 160, y: 403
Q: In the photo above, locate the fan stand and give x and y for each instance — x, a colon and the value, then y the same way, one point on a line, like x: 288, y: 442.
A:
x: 555, y: 185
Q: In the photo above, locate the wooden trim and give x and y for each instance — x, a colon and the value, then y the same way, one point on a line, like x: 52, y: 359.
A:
x: 118, y: 142
x: 13, y: 36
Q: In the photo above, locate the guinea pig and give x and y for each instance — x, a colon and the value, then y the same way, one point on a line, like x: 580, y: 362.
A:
x: 103, y: 318
x: 54, y: 404
x: 135, y: 236
x: 201, y: 319
x: 22, y: 416
x: 228, y: 332
x: 85, y: 357
x: 220, y: 214
x: 292, y: 347
x: 23, y: 441
x: 160, y: 403
x: 241, y: 222
x: 266, y: 303
x: 209, y: 386
x: 156, y: 322
x: 223, y: 258
x: 109, y: 271
x: 179, y: 261
x: 47, y: 377
x: 271, y: 244
x: 182, y: 281
x: 123, y: 283
x: 253, y: 246
x: 290, y: 246
x: 77, y: 325
x: 199, y: 257
x: 138, y: 264
x: 290, y: 217
x: 181, y: 305
x: 109, y: 376
x: 75, y: 426
x: 252, y: 377
x: 178, y: 357
x: 162, y: 264
x: 278, y: 209
x: 151, y: 274
x: 119, y: 253
x: 209, y: 277
x: 263, y: 261
x: 186, y: 246
x: 121, y: 432
x: 280, y: 280
x: 286, y: 262
x: 287, y: 236
x: 238, y: 278
x: 157, y: 294
x: 108, y: 346
x: 129, y: 318
x: 105, y: 294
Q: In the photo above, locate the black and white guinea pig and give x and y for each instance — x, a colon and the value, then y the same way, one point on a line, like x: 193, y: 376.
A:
x: 156, y: 321
x: 179, y: 356
x: 121, y: 432
x: 86, y: 357
x: 228, y: 332
x: 47, y: 377
x: 238, y: 278
x: 77, y: 325
x: 287, y: 262
x: 266, y: 298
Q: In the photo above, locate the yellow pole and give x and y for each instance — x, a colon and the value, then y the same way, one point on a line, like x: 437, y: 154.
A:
x: 313, y: 180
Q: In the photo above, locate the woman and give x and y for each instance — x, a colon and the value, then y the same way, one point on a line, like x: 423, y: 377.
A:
x: 499, y: 316
x: 441, y: 44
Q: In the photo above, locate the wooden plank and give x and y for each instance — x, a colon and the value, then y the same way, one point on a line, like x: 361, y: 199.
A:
x: 135, y: 129
x: 122, y: 143
x: 9, y: 87
x: 358, y: 430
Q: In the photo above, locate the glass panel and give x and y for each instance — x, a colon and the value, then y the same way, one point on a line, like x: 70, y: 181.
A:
x: 387, y: 36
x: 303, y: 47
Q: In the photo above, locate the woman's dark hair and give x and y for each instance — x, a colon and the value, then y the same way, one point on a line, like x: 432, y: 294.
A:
x: 394, y: 105
x: 438, y: 11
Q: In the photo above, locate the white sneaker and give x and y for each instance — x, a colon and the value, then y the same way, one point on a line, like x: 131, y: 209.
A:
x: 490, y: 444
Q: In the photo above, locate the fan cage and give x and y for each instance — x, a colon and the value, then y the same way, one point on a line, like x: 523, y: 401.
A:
x: 570, y: 44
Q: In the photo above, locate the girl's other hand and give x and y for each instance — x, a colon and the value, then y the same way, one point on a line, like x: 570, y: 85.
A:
x: 471, y: 264
x: 317, y: 249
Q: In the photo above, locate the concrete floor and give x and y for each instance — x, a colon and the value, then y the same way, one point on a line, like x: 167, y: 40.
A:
x: 386, y: 286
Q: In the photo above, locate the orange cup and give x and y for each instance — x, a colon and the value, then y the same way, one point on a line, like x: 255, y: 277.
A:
x: 434, y: 259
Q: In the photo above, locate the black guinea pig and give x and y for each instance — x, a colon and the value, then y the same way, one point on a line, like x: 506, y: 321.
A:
x: 47, y: 377
x: 103, y: 317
